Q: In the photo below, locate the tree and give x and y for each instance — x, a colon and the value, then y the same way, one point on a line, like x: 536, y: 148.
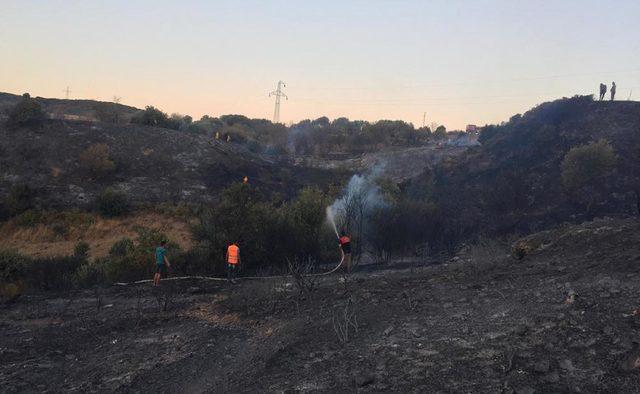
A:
x: 440, y: 132
x: 27, y: 113
x: 151, y: 116
x: 96, y: 160
x: 585, y: 170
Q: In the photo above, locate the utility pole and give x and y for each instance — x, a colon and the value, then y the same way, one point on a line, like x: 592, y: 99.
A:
x: 424, y: 118
x: 278, y: 93
x: 67, y: 91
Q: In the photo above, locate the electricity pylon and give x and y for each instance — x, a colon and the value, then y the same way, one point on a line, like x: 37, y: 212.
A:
x: 278, y: 93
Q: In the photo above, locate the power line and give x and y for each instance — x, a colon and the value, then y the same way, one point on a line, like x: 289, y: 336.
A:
x: 492, y: 82
x: 278, y: 93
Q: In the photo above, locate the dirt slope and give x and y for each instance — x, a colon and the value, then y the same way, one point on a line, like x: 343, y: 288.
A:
x: 557, y: 321
x: 100, y: 233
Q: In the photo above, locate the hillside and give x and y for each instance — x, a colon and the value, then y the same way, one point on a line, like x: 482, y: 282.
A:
x: 512, y: 181
x: 559, y: 320
x: 152, y: 165
x: 83, y: 109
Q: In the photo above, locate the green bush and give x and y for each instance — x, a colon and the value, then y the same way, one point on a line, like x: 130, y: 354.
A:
x: 587, y: 164
x: 90, y: 274
x: 26, y: 113
x: 96, y: 160
x: 111, y: 203
x: 130, y: 261
x: 268, y: 233
x: 585, y: 172
x: 13, y: 266
x: 121, y: 248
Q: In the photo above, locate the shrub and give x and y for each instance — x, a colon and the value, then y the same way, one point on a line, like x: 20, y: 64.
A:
x: 81, y: 251
x: 121, y: 248
x: 440, y: 132
x: 95, y: 159
x: 55, y: 273
x: 13, y: 266
x: 12, y: 272
x: 111, y: 203
x: 26, y: 113
x: 587, y: 164
x: 585, y: 170
x: 90, y: 274
x: 60, y: 230
x: 21, y: 198
x: 268, y: 235
x: 17, y: 272
x: 107, y: 112
x: 152, y: 116
x: 130, y: 261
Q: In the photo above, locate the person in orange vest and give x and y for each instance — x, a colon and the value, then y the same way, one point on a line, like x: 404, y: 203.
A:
x: 345, y: 248
x: 233, y: 260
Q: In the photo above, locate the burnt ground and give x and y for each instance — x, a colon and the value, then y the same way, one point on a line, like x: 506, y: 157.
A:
x: 559, y: 320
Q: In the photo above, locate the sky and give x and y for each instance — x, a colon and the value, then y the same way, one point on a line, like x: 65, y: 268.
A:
x: 457, y: 61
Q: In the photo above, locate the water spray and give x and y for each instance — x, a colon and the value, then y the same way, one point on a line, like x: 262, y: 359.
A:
x: 330, y: 218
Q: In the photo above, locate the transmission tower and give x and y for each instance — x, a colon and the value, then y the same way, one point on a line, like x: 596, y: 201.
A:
x: 67, y: 91
x: 278, y: 93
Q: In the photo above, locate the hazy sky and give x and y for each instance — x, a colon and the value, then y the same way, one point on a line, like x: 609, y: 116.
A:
x: 459, y: 61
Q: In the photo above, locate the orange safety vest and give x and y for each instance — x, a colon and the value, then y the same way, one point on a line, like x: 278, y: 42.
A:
x: 233, y: 253
x: 344, y: 240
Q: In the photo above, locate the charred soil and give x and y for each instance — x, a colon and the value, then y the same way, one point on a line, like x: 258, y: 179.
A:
x: 558, y: 320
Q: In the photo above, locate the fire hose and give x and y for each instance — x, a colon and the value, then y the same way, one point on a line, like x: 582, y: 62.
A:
x: 221, y: 279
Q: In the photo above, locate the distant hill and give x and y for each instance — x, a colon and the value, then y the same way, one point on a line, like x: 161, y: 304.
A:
x: 512, y: 182
x: 84, y: 109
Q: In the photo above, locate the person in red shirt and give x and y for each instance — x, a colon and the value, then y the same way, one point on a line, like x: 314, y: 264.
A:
x: 345, y: 248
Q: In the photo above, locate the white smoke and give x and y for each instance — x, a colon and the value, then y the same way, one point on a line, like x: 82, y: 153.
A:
x: 361, y: 194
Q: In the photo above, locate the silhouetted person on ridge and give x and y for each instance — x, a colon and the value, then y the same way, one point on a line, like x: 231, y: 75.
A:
x: 613, y: 90
x: 603, y: 90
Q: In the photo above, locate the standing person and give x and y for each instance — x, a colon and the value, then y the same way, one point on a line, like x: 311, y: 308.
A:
x: 603, y: 90
x: 613, y: 90
x: 345, y: 248
x: 162, y: 263
x: 233, y: 260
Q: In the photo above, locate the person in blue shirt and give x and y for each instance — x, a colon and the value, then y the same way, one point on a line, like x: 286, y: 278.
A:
x: 162, y: 263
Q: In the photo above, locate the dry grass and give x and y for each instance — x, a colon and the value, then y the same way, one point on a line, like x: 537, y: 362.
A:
x: 42, y: 241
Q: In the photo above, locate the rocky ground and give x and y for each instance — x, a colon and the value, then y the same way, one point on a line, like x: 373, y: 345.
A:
x: 558, y: 320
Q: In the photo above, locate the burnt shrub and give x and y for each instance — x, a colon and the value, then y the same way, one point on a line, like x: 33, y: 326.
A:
x: 111, y: 203
x: 13, y: 267
x: 27, y: 113
x: 52, y: 273
x: 20, y: 199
